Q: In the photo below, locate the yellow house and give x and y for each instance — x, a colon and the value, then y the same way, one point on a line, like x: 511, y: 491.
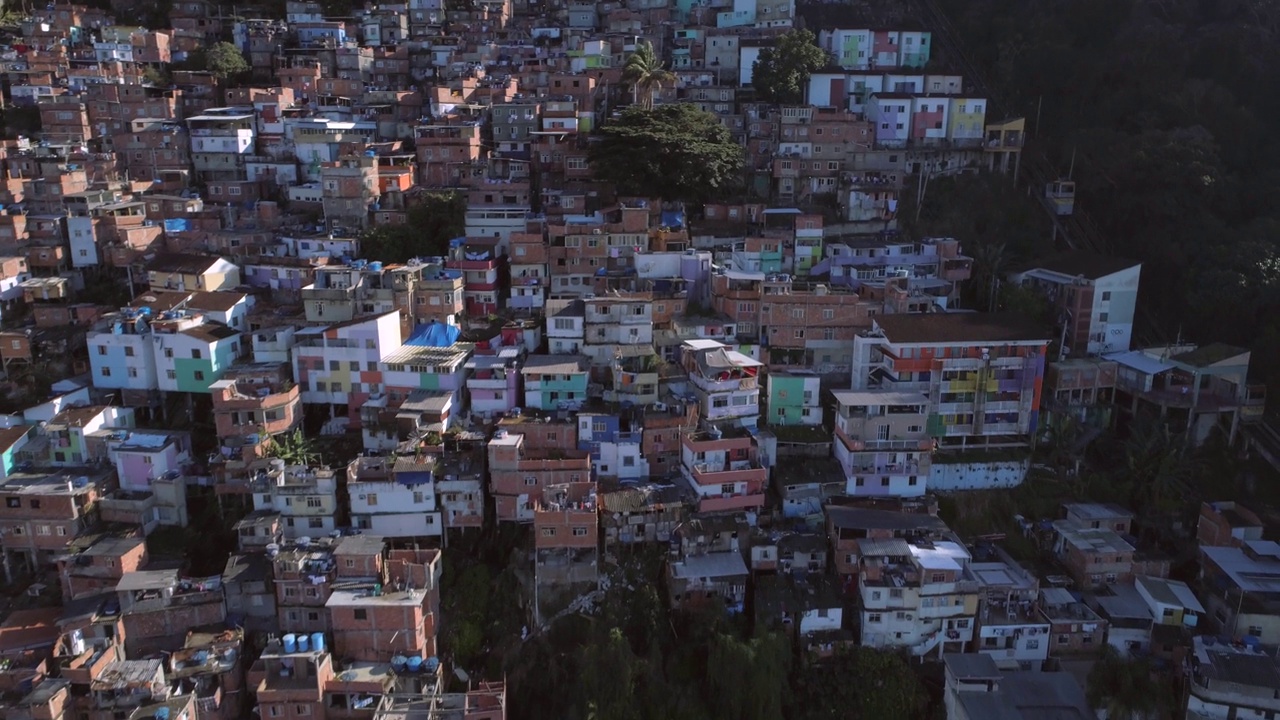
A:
x: 189, y: 271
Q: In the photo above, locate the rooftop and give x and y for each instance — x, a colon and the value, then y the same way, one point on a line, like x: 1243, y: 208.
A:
x: 1082, y: 263
x: 710, y: 565
x: 554, y: 364
x: 960, y: 328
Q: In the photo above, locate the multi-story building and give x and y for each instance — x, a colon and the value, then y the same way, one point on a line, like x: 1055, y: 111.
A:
x: 394, y: 497
x: 1240, y: 588
x: 1193, y: 388
x: 1094, y: 298
x: 1010, y: 626
x: 725, y: 468
x: 221, y: 140
x: 554, y: 382
x: 982, y: 372
x: 566, y: 530
x: 1231, y: 680
x: 42, y: 514
x: 725, y: 381
x: 793, y: 398
x: 289, y: 681
x: 373, y: 622
x: 519, y: 474
x: 251, y: 405
x: 917, y: 596
x: 159, y: 607
x: 305, y: 498
x: 483, y: 265
x: 338, y: 365
x: 881, y: 443
x: 350, y: 190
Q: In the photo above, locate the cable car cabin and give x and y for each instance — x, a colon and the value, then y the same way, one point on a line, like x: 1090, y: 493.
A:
x: 1061, y: 196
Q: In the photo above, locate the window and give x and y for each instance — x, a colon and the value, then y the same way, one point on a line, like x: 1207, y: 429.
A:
x: 313, y: 502
x: 873, y: 618
x: 828, y: 313
x: 199, y: 374
x: 1102, y: 317
x: 548, y: 532
x: 1106, y: 295
x: 106, y: 372
x: 168, y: 352
x: 13, y: 502
x: 171, y: 374
x: 579, y: 532
x: 938, y: 577
x: 417, y: 498
x: 372, y: 499
x: 196, y: 354
x: 530, y: 480
x: 1033, y: 644
x: 361, y: 614
x: 1063, y: 639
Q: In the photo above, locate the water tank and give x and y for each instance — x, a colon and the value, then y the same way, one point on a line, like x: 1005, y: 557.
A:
x: 399, y: 662
x: 415, y: 664
x: 317, y: 642
x: 162, y: 714
x: 432, y: 664
x: 273, y: 549
x: 375, y: 266
x: 291, y: 643
x: 303, y: 642
x: 304, y: 541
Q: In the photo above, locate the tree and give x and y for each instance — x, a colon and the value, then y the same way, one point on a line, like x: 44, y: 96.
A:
x: 645, y: 74
x: 671, y: 152
x: 432, y: 222
x: 1156, y: 462
x: 886, y: 687
x: 225, y: 61
x: 295, y: 448
x: 780, y: 73
x: 1126, y: 689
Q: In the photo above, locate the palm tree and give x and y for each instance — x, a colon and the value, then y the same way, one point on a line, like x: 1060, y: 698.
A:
x: 644, y: 72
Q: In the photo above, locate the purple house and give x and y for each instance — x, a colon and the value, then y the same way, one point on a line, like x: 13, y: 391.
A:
x: 493, y: 381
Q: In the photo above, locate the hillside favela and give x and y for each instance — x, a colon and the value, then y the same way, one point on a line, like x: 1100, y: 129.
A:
x: 639, y: 360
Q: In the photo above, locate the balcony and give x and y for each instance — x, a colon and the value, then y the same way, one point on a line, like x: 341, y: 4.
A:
x: 747, y: 471
x: 725, y: 382
x: 721, y: 503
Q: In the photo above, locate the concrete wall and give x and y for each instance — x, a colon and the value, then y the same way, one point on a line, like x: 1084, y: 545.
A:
x: 944, y: 476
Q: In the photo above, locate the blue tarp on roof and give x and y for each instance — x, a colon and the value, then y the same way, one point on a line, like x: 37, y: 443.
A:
x: 434, y: 334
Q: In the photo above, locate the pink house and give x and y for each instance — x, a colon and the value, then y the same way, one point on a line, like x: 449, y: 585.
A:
x: 143, y: 456
x: 928, y: 120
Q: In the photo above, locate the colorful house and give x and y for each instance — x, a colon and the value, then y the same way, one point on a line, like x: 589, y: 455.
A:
x: 793, y: 398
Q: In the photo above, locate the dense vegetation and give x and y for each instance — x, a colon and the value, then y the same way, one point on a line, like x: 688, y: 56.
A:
x: 632, y: 660
x: 1168, y: 108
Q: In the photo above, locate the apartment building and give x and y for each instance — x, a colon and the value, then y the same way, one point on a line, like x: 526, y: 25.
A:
x: 554, y: 382
x: 566, y: 528
x: 43, y: 514
x: 520, y: 473
x: 919, y: 596
x: 1196, y: 388
x: 982, y: 372
x: 252, y: 404
x: 725, y: 382
x: 1095, y: 298
x: 305, y: 498
x: 881, y: 443
x: 394, y: 498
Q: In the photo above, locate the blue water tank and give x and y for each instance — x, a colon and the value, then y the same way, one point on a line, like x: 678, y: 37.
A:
x: 433, y: 663
x: 415, y: 664
x: 291, y: 643
x: 303, y: 642
x: 375, y: 266
x: 317, y: 642
x: 162, y: 714
x: 399, y: 662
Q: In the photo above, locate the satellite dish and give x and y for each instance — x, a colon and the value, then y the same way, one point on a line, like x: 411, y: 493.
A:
x: 461, y: 675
